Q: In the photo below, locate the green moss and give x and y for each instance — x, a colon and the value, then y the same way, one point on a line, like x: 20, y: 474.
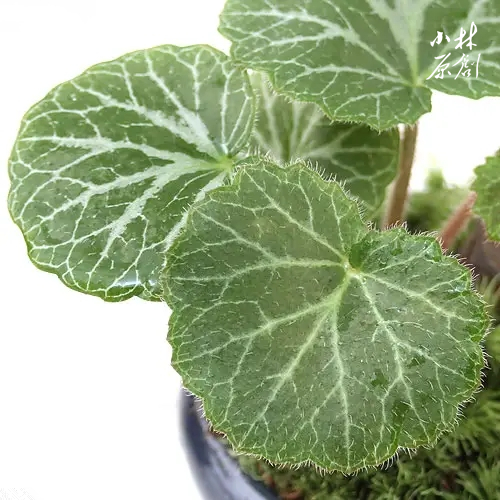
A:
x: 429, y: 209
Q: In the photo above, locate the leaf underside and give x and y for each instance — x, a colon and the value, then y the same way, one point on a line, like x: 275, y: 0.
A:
x: 106, y: 165
x: 367, y: 60
x: 364, y: 160
x: 310, y: 337
x: 487, y: 187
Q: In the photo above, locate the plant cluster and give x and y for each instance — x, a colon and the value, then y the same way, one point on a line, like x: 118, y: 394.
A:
x: 244, y: 200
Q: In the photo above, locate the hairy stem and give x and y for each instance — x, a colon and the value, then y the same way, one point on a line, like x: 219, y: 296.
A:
x: 456, y: 222
x: 397, y: 200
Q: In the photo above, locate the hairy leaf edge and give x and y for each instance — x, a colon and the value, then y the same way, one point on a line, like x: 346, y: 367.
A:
x: 482, y: 329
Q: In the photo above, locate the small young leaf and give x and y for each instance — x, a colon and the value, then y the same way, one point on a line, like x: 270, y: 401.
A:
x: 310, y: 337
x: 369, y: 61
x: 364, y: 160
x: 487, y: 187
x: 105, y: 167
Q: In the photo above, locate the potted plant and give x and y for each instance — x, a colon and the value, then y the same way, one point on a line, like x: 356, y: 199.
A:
x: 463, y: 463
x: 246, y: 191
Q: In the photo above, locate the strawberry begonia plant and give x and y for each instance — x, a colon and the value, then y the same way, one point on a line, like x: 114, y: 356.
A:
x: 241, y: 189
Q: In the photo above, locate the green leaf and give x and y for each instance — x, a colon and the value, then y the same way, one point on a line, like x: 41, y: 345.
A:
x: 310, y: 337
x: 487, y: 187
x: 106, y: 165
x: 364, y: 160
x: 368, y: 61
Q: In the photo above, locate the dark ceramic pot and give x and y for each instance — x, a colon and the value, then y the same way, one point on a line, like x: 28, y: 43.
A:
x: 218, y: 476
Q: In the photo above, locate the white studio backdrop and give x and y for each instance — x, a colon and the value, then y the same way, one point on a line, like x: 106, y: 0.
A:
x: 88, y: 400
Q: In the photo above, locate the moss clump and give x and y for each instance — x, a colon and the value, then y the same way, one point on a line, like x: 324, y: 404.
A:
x: 428, y: 209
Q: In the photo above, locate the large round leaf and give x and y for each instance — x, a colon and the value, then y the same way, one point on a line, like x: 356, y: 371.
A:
x: 106, y: 165
x: 364, y: 160
x: 310, y: 337
x: 370, y: 61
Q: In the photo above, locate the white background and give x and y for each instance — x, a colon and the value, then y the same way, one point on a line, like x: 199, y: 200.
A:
x: 88, y: 401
